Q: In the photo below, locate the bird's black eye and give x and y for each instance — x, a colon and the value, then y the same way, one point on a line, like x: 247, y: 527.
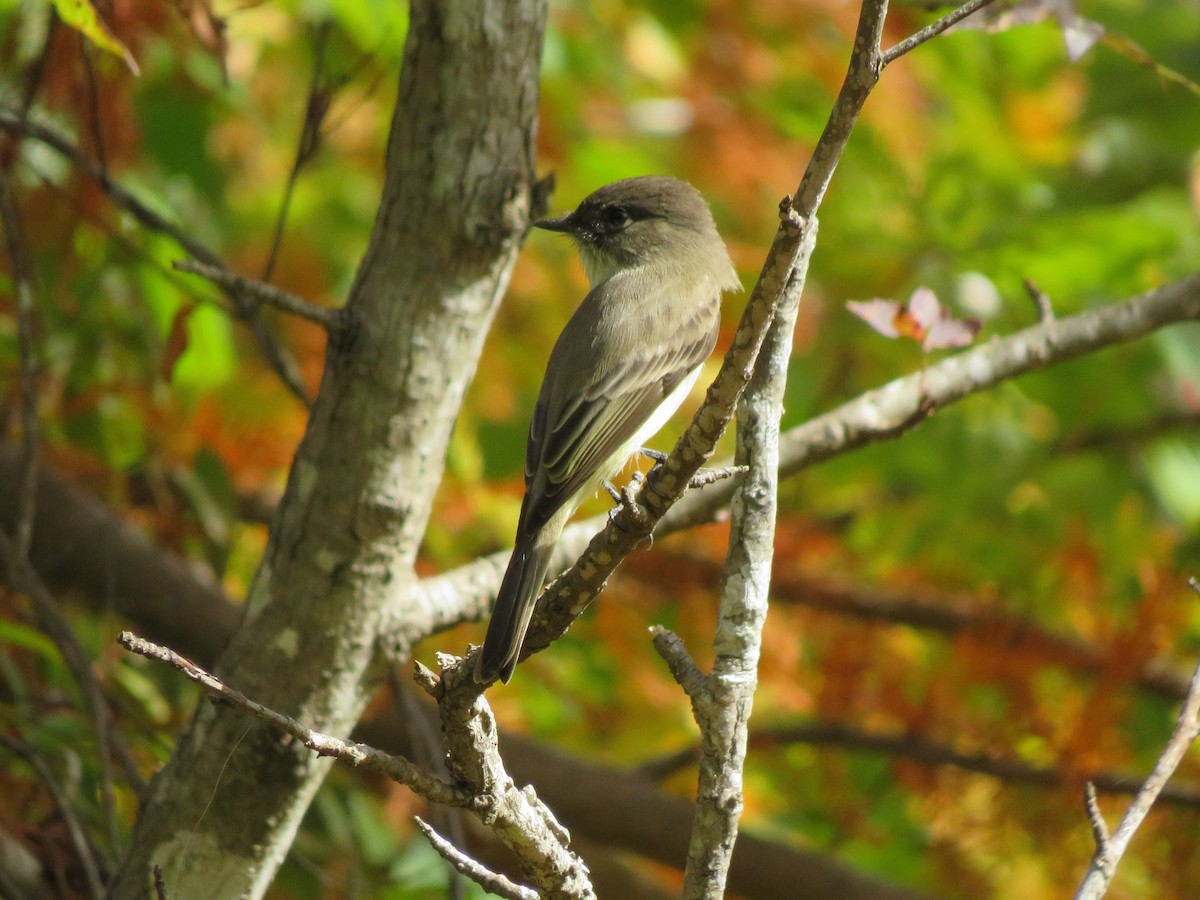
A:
x: 617, y: 217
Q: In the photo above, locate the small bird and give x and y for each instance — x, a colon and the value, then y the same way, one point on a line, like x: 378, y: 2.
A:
x: 622, y: 365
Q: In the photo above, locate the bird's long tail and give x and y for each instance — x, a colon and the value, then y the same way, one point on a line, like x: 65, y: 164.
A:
x: 514, y: 606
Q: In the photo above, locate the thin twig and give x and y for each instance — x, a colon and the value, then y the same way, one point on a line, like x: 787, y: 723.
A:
x: 75, y: 830
x: 37, y: 70
x: 93, y: 93
x: 54, y: 624
x: 705, y: 477
x: 915, y: 748
x: 490, y: 881
x: 332, y: 320
x: 396, y: 768
x: 22, y: 277
x: 1129, y: 437
x: 246, y: 310
x: 1108, y: 854
x: 517, y: 817
x: 1096, y: 819
x: 425, y: 740
x: 464, y: 593
x: 316, y: 107
x: 931, y: 31
x: 1041, y: 301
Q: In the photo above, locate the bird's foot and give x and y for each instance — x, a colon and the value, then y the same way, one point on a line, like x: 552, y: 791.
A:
x: 612, y: 492
x: 627, y: 501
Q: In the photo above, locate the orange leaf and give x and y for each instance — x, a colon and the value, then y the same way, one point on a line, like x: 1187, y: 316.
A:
x: 177, y: 341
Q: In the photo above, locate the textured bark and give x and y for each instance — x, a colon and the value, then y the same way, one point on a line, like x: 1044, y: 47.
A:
x: 456, y: 201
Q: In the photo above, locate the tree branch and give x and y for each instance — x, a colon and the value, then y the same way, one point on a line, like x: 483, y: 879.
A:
x: 316, y: 107
x: 21, y: 577
x: 488, y: 880
x: 1108, y: 853
x: 369, y: 759
x: 927, y: 610
x: 22, y: 279
x: 516, y: 816
x: 83, y: 848
x: 914, y: 747
x: 332, y: 320
x: 931, y: 31
x: 722, y: 702
x: 280, y: 360
x: 881, y: 414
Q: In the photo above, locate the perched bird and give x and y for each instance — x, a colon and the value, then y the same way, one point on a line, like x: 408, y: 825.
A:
x: 622, y: 365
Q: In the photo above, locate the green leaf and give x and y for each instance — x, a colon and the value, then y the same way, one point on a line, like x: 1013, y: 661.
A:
x: 82, y: 16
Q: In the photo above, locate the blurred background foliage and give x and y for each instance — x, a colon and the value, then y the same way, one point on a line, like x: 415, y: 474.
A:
x: 1067, y: 501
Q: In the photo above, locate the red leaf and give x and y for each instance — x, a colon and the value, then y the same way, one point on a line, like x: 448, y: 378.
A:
x: 177, y: 341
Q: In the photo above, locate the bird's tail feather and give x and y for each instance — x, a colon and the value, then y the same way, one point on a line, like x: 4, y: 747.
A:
x: 514, y: 605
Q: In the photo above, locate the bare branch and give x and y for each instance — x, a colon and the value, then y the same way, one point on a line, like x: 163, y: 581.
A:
x: 1108, y: 855
x: 361, y: 756
x: 464, y: 593
x: 1096, y: 819
x: 22, y: 577
x: 722, y: 704
x: 316, y: 107
x: 1041, y: 301
x: 285, y: 367
x: 679, y: 662
x: 517, y: 817
x: 705, y: 477
x: 491, y: 882
x: 914, y: 747
x: 932, y: 31
x: 332, y: 320
x: 83, y: 848
x: 873, y: 416
x: 22, y: 277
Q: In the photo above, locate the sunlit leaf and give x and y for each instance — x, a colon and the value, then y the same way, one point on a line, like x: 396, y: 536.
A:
x: 81, y: 15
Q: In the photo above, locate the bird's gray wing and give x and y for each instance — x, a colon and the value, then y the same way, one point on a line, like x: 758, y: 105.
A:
x: 576, y: 430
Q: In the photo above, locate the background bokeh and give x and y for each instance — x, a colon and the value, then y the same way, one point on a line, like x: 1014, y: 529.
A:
x: 1065, y: 503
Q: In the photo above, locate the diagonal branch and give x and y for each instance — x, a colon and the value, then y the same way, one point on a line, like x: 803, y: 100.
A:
x: 884, y: 413
x: 1108, y: 853
x: 316, y: 107
x: 246, y: 309
x: 20, y: 575
x: 931, y: 31
x: 75, y: 831
x: 360, y: 756
x: 516, y: 816
x: 492, y: 882
x: 332, y: 320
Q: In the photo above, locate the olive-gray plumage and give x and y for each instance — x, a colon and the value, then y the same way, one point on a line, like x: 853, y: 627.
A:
x: 623, y: 363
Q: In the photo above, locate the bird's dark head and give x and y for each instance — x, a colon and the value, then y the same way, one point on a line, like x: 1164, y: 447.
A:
x: 649, y: 219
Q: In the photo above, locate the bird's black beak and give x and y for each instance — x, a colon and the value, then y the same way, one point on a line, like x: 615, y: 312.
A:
x: 564, y: 224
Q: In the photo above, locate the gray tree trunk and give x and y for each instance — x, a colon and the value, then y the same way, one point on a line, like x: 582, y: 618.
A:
x: 460, y: 177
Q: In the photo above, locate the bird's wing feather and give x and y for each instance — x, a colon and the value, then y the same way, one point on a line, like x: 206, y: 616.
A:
x: 577, y: 428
